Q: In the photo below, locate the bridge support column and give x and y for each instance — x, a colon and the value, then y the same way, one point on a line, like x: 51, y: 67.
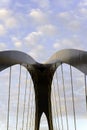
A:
x: 42, y: 78
x: 48, y: 114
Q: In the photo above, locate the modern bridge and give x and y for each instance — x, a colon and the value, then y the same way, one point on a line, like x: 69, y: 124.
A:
x: 28, y: 89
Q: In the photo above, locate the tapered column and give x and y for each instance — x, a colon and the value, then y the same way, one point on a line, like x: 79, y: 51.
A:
x: 42, y: 78
x: 49, y: 114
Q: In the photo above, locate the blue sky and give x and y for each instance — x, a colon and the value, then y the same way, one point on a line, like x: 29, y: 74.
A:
x: 41, y: 28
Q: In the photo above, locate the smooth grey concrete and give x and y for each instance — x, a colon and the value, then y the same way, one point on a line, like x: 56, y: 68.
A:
x: 42, y: 75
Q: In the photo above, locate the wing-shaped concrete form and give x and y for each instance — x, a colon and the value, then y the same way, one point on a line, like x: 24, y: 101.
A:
x: 73, y: 57
x: 42, y: 75
x: 9, y: 58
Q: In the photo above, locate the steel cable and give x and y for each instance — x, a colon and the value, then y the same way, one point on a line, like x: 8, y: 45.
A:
x: 9, y: 93
x: 24, y: 100
x: 31, y: 113
x: 64, y: 96
x: 73, y: 97
x: 55, y: 103
x: 18, y: 99
x: 28, y: 105
x: 59, y: 100
x: 85, y: 89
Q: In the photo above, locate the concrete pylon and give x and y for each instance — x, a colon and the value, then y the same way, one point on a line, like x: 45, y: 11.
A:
x: 42, y: 75
x: 42, y: 79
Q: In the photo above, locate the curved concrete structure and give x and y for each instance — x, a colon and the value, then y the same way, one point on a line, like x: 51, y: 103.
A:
x: 76, y: 58
x: 42, y: 75
x: 9, y: 58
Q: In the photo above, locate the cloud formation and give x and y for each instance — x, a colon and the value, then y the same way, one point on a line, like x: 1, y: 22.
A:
x: 68, y: 43
x: 33, y: 38
x: 2, y: 46
x: 2, y: 30
x: 38, y: 16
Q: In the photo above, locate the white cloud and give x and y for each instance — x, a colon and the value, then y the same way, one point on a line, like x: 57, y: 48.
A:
x: 66, y: 16
x: 4, y: 3
x: 4, y: 14
x: 49, y: 30
x: 82, y: 9
x: 56, y: 45
x: 37, y: 51
x: 83, y: 3
x: 43, y: 3
x: 65, y: 4
x: 71, y: 20
x: 83, y: 12
x: 40, y: 35
x: 73, y: 42
x: 11, y: 22
x: 2, y: 30
x: 33, y: 38
x: 17, y: 43
x: 74, y: 25
x: 8, y: 19
x: 38, y: 16
x: 2, y: 46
